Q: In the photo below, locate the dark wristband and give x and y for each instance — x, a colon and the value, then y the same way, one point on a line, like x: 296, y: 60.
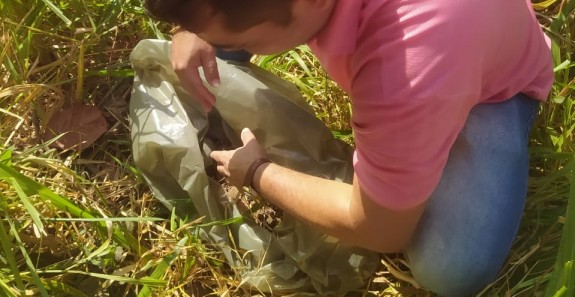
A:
x: 249, y: 179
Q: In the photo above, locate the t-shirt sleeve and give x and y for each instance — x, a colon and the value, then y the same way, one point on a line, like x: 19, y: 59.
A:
x: 411, y: 97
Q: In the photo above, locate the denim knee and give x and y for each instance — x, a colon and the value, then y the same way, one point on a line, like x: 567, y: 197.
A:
x: 455, y: 280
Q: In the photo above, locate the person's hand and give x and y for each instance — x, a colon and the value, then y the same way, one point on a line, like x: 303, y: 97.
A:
x: 240, y: 163
x: 188, y: 53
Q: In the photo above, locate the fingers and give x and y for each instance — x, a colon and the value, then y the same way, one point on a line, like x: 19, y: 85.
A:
x: 189, y: 52
x: 235, y: 164
x: 223, y: 170
x: 247, y: 136
x: 220, y: 157
x: 223, y: 167
x: 199, y: 91
x: 208, y: 60
x: 210, y: 68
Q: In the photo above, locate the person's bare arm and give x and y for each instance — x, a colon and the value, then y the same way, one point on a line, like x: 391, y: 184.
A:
x: 189, y: 52
x: 339, y: 209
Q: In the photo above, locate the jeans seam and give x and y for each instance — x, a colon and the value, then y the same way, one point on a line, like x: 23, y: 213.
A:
x: 533, y: 114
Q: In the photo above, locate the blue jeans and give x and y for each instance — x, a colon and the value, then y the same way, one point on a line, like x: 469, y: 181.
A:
x: 473, y: 215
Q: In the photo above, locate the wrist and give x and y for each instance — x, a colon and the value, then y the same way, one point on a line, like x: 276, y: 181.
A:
x: 258, y: 176
x: 251, y: 172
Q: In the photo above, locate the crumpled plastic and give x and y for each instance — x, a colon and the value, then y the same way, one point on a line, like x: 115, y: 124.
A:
x: 172, y: 138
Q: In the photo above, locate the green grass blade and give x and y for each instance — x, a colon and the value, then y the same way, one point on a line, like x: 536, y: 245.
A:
x: 120, y: 219
x: 6, y: 157
x: 111, y: 73
x: 63, y: 289
x: 163, y: 266
x: 562, y: 274
x: 58, y: 12
x: 32, y: 211
x: 562, y: 18
x: 297, y: 58
x: 10, y: 257
x: 31, y: 187
x: 31, y: 268
x: 6, y: 290
x: 223, y: 222
x: 146, y: 281
x: 561, y: 292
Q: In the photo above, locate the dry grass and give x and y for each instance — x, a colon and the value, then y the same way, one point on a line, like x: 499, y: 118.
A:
x: 87, y: 225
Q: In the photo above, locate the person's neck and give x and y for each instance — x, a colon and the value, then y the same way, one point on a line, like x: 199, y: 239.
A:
x: 315, y: 15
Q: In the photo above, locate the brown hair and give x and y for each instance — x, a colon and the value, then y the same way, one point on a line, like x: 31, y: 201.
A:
x: 239, y: 15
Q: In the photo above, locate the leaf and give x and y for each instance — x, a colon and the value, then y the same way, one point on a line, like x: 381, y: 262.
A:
x: 562, y: 282
x: 544, y: 4
x: 58, y: 12
x: 558, y: 99
x: 6, y: 157
x: 7, y: 290
x: 146, y: 280
x: 165, y: 263
x: 223, y: 222
x: 79, y: 126
x: 6, y: 244
x: 32, y: 211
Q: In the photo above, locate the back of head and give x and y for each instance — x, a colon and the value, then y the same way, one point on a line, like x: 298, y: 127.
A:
x: 238, y: 15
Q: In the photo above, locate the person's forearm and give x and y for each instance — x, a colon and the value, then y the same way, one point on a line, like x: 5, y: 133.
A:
x: 321, y: 202
x: 337, y: 208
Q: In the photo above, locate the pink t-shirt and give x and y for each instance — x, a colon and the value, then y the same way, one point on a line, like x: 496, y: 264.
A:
x: 414, y: 69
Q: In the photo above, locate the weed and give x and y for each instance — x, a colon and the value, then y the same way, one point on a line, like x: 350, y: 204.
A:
x: 86, y: 224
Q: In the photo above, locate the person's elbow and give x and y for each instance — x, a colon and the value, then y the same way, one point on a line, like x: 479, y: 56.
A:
x: 381, y: 240
x: 393, y: 246
x: 381, y: 229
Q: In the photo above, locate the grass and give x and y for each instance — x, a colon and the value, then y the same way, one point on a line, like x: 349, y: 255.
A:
x: 87, y: 225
